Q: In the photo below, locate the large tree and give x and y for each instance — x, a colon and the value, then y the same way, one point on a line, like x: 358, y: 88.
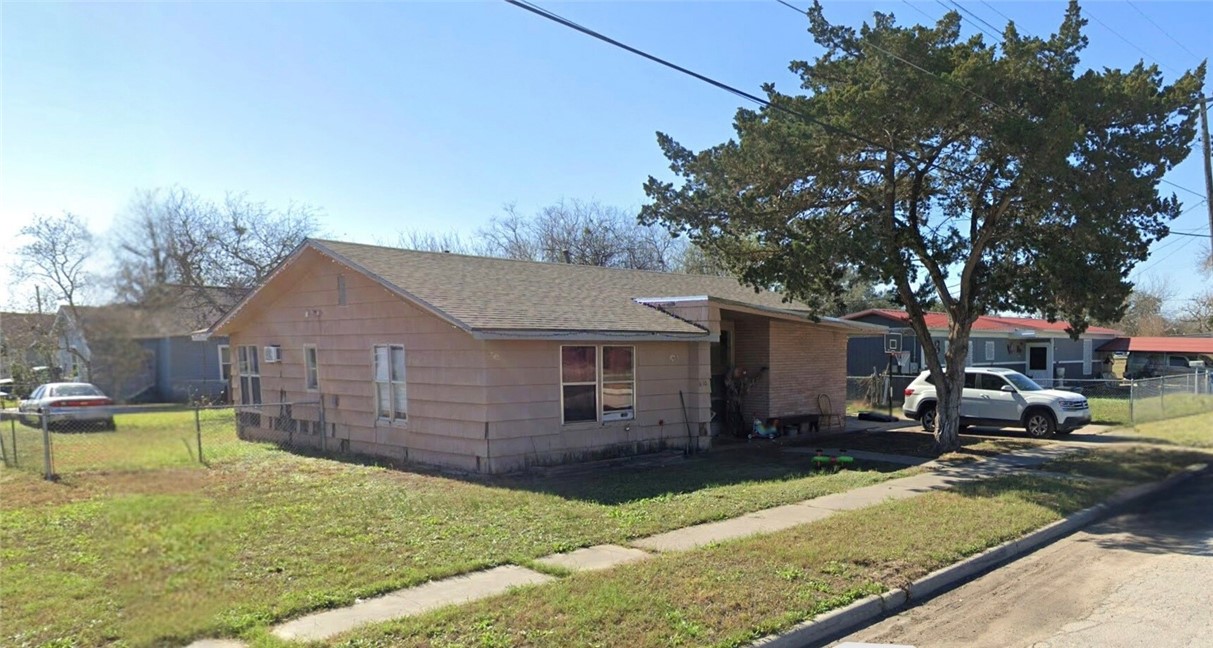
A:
x: 981, y: 177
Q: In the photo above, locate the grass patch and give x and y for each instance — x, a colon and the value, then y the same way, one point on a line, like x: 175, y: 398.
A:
x: 168, y: 555
x: 734, y: 593
x: 142, y: 441
x: 1171, y: 406
x: 1110, y: 411
x: 1193, y: 431
x: 1132, y: 464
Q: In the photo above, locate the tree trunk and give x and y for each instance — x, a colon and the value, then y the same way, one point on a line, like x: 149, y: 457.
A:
x: 950, y: 392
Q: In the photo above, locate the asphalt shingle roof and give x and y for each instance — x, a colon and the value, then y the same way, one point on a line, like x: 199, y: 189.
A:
x: 487, y: 293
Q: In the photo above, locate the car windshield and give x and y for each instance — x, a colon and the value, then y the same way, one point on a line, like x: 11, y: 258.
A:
x: 1022, y: 382
x: 77, y: 390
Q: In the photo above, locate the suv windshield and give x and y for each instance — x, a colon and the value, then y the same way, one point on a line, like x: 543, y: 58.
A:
x: 1022, y: 382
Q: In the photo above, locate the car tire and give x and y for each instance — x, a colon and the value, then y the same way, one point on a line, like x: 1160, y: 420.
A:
x: 927, y: 416
x: 108, y: 425
x: 1040, y: 424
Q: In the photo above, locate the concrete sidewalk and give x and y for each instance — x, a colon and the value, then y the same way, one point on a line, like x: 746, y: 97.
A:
x: 478, y: 585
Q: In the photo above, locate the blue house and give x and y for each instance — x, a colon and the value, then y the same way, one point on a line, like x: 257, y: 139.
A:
x: 1041, y: 349
x: 147, y: 352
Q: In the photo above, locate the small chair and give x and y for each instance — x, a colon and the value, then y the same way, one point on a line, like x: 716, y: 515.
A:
x: 827, y: 410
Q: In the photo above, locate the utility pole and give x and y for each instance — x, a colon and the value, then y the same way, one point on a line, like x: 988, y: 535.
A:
x: 1204, y: 131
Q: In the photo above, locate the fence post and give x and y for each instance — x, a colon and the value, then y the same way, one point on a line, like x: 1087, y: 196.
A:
x: 46, y: 447
x: 198, y: 431
x: 1162, y: 396
x: 13, y: 435
x: 1132, y: 400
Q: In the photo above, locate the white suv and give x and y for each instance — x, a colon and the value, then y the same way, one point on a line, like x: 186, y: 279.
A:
x: 1003, y: 398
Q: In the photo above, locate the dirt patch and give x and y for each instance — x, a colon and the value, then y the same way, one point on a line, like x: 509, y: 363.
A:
x: 23, y: 490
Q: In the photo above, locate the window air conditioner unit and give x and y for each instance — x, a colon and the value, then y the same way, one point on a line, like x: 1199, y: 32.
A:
x: 273, y: 353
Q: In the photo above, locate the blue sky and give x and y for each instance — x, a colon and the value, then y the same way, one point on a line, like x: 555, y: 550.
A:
x: 432, y: 116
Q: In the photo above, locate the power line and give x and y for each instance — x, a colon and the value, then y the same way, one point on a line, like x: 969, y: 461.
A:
x: 979, y: 27
x: 939, y: 78
x: 556, y: 18
x: 1087, y: 11
x: 911, y: 5
x: 1191, y: 191
x: 1186, y: 243
x: 957, y: 84
x: 1164, y: 32
x: 991, y: 8
x: 997, y: 34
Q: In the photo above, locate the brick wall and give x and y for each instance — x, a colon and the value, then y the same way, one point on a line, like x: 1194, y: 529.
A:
x: 752, y: 348
x: 806, y: 360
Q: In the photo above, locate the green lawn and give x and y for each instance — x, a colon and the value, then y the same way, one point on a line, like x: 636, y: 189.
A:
x: 142, y: 441
x: 736, y: 592
x: 161, y: 556
x: 1110, y: 411
x: 1194, y: 431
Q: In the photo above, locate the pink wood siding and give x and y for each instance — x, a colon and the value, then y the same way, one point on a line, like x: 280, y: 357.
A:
x: 523, y: 385
x: 445, y: 366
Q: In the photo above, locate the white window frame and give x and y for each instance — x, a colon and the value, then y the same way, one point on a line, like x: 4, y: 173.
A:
x: 601, y: 416
x: 397, y: 386
x: 219, y: 350
x: 311, y: 368
x: 989, y: 350
x: 248, y: 365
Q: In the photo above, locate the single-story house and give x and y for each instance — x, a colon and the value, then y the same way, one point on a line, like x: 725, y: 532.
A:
x: 492, y: 365
x: 146, y: 352
x: 1039, y: 348
x: 1145, y: 357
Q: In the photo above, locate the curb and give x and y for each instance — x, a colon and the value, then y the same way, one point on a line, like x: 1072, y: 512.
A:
x: 834, y: 623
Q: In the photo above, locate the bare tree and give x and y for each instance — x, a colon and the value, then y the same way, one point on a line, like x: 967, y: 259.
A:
x: 54, y: 254
x: 173, y: 236
x: 572, y: 231
x: 1144, y: 310
x: 1196, y: 315
x: 583, y: 233
x: 431, y: 242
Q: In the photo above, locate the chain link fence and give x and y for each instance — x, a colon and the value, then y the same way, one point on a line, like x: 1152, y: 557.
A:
x: 1155, y: 399
x: 134, y: 438
x: 1115, y: 402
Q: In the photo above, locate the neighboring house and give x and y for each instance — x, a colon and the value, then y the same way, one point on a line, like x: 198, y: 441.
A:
x: 1145, y: 357
x: 26, y: 342
x: 492, y: 365
x: 1041, y: 349
x: 147, y: 352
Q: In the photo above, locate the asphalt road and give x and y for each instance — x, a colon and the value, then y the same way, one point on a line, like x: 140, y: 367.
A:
x: 1143, y: 578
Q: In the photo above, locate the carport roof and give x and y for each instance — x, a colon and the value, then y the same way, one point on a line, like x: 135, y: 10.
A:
x: 1203, y: 345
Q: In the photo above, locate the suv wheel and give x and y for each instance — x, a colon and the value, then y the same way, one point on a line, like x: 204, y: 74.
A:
x: 928, y: 416
x: 1040, y: 424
